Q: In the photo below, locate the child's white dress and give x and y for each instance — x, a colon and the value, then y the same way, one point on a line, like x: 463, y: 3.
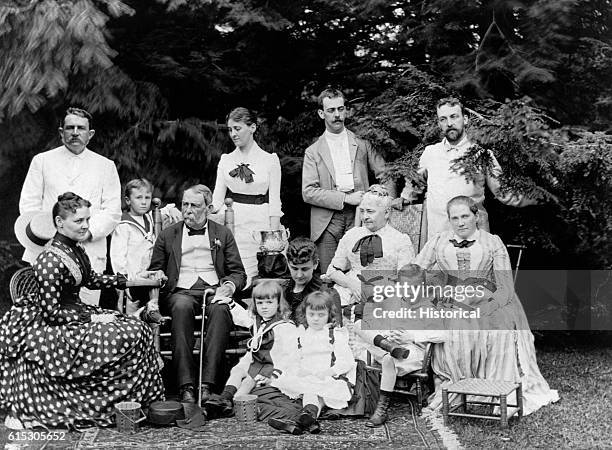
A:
x: 318, y: 351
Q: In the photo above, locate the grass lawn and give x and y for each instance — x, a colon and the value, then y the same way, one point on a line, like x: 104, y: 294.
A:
x: 582, y: 373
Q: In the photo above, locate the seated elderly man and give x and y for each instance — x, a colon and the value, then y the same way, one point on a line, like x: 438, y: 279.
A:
x: 373, y: 254
x: 198, y: 255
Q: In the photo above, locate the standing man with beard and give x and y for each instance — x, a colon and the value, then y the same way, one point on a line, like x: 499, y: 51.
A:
x: 335, y: 176
x: 73, y: 167
x: 443, y: 183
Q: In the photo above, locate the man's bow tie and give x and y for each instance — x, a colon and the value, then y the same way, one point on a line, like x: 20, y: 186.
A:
x: 243, y: 172
x: 370, y: 247
x: 192, y: 232
x: 463, y: 244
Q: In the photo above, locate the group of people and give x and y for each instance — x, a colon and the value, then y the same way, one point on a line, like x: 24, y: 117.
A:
x: 299, y: 343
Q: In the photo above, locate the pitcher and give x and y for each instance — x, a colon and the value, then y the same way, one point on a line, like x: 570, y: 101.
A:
x: 271, y: 241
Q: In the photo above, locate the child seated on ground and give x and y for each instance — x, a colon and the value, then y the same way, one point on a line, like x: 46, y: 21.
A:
x: 325, y: 372
x: 132, y: 242
x: 303, y: 260
x: 271, y: 349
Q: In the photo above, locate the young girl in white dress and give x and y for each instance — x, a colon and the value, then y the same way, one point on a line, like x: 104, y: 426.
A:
x: 326, y: 365
x: 271, y: 349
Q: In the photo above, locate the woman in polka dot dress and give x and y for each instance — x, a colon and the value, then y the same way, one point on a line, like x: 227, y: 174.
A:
x: 64, y: 362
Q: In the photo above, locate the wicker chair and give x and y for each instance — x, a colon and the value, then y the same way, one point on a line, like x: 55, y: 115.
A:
x: 23, y: 282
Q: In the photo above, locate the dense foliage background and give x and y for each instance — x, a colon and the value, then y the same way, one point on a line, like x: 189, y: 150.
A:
x: 160, y: 76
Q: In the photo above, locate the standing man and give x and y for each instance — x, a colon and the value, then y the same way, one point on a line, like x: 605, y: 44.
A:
x: 73, y: 167
x: 198, y: 255
x: 443, y: 184
x: 335, y: 176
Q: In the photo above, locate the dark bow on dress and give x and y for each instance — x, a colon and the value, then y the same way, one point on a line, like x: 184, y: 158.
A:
x: 370, y: 247
x: 243, y: 171
x: 463, y: 244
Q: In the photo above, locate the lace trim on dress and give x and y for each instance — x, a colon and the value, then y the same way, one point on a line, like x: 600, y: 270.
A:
x: 70, y: 263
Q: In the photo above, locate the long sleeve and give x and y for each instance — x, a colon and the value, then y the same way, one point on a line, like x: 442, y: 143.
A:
x: 275, y: 187
x: 98, y: 281
x: 241, y: 317
x: 426, y: 335
x: 104, y: 221
x: 159, y: 257
x: 341, y: 261
x: 312, y: 192
x: 284, y: 352
x: 511, y: 198
x: 411, y: 191
x: 405, y: 253
x: 52, y: 276
x: 31, y: 198
x: 234, y: 270
x: 427, y: 256
x: 119, y: 249
x: 502, y: 271
x: 345, y: 362
x: 220, y: 186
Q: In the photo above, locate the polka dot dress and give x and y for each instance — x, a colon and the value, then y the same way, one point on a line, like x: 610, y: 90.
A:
x: 56, y: 366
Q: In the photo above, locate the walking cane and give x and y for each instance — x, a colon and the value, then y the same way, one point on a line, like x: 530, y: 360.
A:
x: 154, y: 293
x: 518, y: 260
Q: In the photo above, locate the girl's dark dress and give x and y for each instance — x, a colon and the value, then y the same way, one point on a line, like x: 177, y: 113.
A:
x: 58, y: 367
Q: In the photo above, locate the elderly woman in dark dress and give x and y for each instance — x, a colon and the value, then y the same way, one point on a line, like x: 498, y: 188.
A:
x: 62, y: 361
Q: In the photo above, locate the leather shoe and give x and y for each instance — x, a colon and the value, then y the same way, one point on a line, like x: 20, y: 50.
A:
x: 205, y: 393
x: 314, y: 428
x: 218, y: 407
x: 289, y: 426
x: 187, y: 394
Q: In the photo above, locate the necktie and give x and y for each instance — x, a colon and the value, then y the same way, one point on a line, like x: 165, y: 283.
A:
x: 243, y: 172
x: 192, y: 232
x: 370, y: 247
x: 463, y: 244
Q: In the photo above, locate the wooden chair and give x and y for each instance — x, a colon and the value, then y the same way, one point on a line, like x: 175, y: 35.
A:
x: 411, y: 221
x: 419, y: 379
x: 23, y: 282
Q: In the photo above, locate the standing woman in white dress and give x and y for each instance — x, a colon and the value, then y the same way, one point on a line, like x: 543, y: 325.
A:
x: 252, y: 178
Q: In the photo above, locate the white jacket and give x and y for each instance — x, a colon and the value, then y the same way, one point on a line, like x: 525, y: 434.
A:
x: 90, y: 175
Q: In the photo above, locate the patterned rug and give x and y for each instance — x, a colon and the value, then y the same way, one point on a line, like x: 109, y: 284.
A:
x: 403, y: 430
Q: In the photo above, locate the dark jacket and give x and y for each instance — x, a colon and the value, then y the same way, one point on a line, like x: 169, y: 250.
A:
x: 167, y: 255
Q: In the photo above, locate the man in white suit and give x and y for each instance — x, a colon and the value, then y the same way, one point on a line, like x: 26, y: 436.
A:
x: 73, y: 167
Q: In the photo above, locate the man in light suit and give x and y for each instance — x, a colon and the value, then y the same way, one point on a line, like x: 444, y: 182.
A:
x: 196, y: 255
x: 73, y: 167
x: 335, y: 176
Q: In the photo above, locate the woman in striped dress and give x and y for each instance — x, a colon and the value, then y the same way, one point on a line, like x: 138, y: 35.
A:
x: 502, y: 348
